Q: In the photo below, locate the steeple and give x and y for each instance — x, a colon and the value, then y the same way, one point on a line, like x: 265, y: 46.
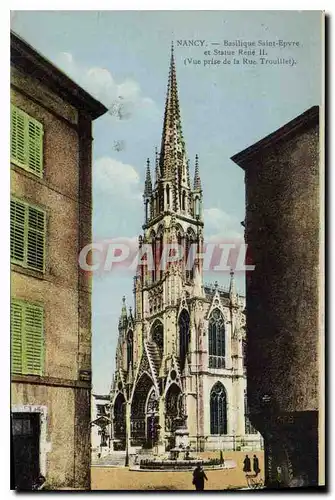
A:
x: 148, y: 183
x: 197, y: 180
x: 173, y: 154
x: 123, y: 316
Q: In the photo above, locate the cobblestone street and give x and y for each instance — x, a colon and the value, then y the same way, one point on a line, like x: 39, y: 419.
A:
x: 121, y: 478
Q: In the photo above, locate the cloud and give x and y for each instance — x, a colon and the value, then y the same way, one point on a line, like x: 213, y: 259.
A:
x: 123, y: 99
x: 120, y: 179
x: 221, y: 226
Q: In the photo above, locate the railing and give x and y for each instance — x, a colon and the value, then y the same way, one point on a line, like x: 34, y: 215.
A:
x: 217, y: 362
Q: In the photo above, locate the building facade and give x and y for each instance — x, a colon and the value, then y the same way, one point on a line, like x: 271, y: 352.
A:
x: 100, y: 425
x: 50, y: 221
x: 180, y: 374
x: 284, y: 324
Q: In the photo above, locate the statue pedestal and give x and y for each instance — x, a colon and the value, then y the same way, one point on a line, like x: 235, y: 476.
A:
x: 181, y: 436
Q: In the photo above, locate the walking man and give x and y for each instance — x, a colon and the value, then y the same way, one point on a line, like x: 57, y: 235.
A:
x: 256, y: 466
x: 199, y: 477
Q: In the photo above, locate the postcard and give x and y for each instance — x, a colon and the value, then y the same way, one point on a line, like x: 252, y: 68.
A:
x: 167, y: 233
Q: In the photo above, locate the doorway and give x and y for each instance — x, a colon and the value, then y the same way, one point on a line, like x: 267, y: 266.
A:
x: 25, y: 448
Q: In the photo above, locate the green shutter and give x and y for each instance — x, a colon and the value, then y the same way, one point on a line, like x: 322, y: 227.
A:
x: 26, y: 141
x: 16, y: 329
x: 27, y: 338
x: 17, y: 134
x: 28, y: 228
x: 33, y: 340
x: 35, y: 146
x: 36, y: 237
x: 17, y: 231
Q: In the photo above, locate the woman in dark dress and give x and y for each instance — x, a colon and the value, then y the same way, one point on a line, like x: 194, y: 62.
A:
x: 247, y: 464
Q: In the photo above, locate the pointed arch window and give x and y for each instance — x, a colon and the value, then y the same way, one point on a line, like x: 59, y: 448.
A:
x: 218, y: 409
x: 159, y: 251
x: 167, y: 195
x: 197, y: 206
x: 183, y: 201
x: 153, y: 247
x: 189, y: 251
x: 157, y: 336
x: 146, y: 210
x: 216, y: 340
x: 152, y: 403
x: 184, y: 337
x: 130, y: 349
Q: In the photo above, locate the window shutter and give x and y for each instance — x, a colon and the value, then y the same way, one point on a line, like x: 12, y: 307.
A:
x: 18, y: 142
x: 35, y: 146
x: 17, y: 231
x: 36, y: 238
x: 16, y: 324
x: 33, y: 340
x: 26, y: 141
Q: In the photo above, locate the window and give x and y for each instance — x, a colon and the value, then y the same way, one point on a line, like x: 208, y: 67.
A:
x: 129, y: 349
x: 216, y: 339
x: 218, y: 409
x: 26, y: 148
x: 27, y: 344
x: 157, y: 335
x: 184, y: 337
x: 27, y: 235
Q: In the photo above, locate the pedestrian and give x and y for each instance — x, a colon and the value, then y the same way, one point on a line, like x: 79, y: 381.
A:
x: 257, y: 470
x: 221, y: 457
x: 199, y: 477
x: 246, y: 464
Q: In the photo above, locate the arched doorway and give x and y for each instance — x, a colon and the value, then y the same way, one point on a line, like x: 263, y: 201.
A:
x: 144, y: 414
x: 175, y: 416
x: 152, y: 419
x: 119, y: 422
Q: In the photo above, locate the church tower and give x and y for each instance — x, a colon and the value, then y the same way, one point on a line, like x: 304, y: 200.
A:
x: 182, y: 338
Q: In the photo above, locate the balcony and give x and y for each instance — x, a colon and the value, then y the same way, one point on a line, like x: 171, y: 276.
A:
x: 217, y: 362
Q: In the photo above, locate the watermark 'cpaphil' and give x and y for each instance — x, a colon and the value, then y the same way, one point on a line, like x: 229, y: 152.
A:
x: 127, y: 255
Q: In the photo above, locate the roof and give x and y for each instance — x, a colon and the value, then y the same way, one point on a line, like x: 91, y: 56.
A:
x: 103, y: 396
x: 27, y: 59
x: 303, y: 121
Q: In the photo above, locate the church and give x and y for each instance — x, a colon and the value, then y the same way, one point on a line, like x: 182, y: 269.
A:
x: 180, y: 376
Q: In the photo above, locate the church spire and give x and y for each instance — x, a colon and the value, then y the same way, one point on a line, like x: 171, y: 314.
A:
x: 173, y: 146
x: 197, y: 180
x: 148, y: 183
x: 123, y: 316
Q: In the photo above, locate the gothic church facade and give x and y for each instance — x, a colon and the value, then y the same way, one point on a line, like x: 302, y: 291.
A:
x: 179, y: 359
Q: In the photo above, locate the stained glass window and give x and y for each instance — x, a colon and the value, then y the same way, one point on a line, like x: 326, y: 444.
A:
x: 218, y: 409
x: 216, y: 339
x: 184, y: 336
x: 129, y: 349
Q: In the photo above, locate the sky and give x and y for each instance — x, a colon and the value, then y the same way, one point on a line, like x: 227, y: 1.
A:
x: 224, y: 109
